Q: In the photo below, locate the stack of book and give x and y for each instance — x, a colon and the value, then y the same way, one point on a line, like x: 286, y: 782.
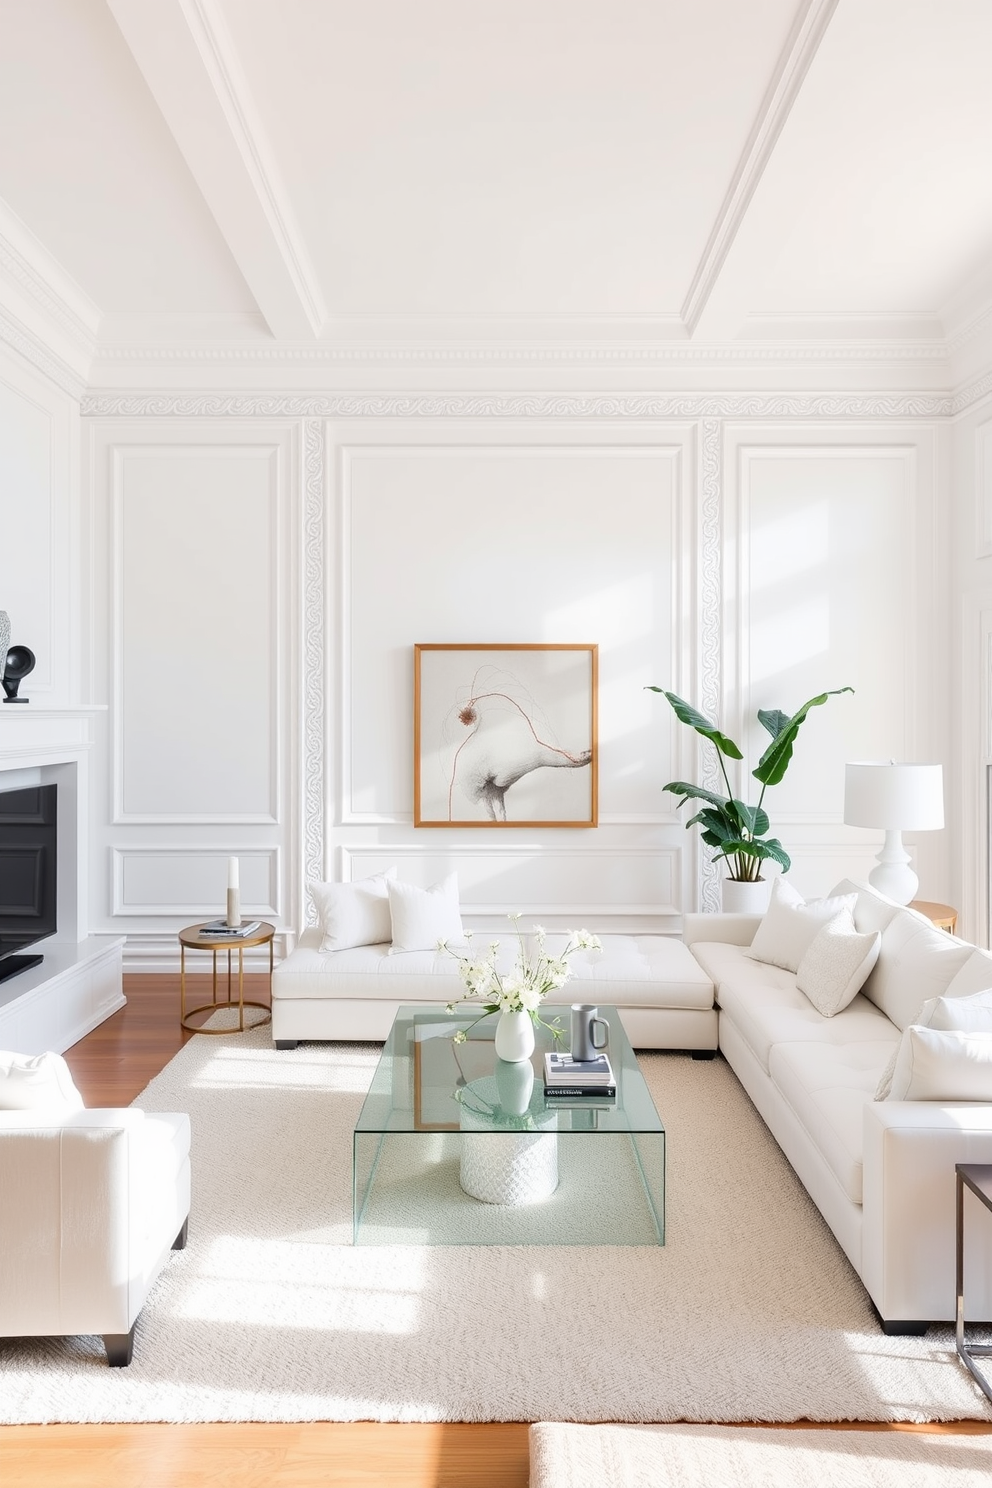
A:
x: 578, y: 1079
x: 221, y: 930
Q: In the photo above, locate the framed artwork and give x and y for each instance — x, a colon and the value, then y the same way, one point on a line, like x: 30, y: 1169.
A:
x: 505, y: 736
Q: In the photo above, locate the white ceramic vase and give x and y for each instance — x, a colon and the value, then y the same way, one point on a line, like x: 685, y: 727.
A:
x: 746, y: 897
x: 514, y: 1037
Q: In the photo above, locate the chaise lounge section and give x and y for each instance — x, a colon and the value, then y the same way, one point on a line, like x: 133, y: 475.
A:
x: 665, y: 998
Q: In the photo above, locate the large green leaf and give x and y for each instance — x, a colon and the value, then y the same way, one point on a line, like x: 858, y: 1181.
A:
x: 754, y: 819
x: 774, y: 720
x: 685, y: 713
x: 695, y: 793
x: 775, y: 760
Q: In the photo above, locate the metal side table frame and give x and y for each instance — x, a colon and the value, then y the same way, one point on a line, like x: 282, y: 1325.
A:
x: 978, y: 1177
x: 190, y: 938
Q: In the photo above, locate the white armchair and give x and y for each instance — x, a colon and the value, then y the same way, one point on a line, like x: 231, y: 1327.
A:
x: 91, y: 1203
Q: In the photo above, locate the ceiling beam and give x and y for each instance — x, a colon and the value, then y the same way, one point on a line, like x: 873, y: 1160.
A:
x: 724, y: 321
x: 189, y: 63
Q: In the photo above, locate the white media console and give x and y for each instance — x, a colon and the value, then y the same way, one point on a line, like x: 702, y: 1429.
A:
x: 78, y: 984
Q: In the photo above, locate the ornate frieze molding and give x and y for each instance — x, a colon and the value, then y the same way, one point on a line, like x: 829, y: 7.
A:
x: 519, y: 406
x: 313, y: 656
x: 972, y: 393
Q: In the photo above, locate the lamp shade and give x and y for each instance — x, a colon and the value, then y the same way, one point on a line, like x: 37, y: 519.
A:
x: 896, y: 797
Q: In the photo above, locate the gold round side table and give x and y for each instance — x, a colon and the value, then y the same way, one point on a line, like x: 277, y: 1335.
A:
x: 192, y: 939
x: 944, y: 916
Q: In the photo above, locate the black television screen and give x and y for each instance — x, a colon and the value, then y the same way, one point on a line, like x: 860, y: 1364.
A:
x: 28, y: 878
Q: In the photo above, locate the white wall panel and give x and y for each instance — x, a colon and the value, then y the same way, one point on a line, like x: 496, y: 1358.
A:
x: 534, y: 879
x: 983, y: 489
x: 196, y: 630
x: 826, y: 591
x: 192, y: 881
x: 518, y: 545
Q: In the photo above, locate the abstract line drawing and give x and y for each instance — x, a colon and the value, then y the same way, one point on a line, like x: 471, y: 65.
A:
x: 505, y: 735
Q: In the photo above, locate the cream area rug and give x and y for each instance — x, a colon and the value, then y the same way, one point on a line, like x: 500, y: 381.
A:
x: 564, y: 1456
x: 749, y: 1312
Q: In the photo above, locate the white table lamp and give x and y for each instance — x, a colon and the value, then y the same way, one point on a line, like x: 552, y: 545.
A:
x: 898, y: 798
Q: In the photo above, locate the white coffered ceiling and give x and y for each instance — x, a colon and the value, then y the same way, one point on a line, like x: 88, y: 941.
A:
x: 310, y: 173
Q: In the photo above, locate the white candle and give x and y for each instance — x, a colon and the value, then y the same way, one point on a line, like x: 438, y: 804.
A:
x: 232, y: 874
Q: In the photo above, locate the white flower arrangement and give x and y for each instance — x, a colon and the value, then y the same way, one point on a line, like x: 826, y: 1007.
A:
x: 523, y: 989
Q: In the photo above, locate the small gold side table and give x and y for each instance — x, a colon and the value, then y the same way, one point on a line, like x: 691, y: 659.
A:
x: 191, y: 937
x: 944, y: 916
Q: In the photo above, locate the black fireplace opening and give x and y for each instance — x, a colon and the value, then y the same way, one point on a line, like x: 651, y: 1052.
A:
x: 28, y: 873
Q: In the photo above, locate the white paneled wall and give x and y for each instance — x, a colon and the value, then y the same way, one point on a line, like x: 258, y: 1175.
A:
x: 259, y: 585
x: 196, y: 533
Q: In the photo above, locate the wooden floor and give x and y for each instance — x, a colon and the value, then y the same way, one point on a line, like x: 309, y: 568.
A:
x: 110, y: 1066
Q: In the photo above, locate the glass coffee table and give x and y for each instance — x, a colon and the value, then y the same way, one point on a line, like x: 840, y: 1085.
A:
x: 453, y: 1148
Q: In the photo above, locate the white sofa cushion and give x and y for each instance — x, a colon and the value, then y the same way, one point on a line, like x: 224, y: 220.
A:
x: 836, y: 965
x: 916, y: 961
x: 651, y: 971
x: 974, y: 976
x: 422, y: 917
x: 766, y: 1007
x: 37, y: 1082
x: 960, y: 1014
x: 791, y: 923
x: 934, y: 1065
x: 827, y: 1087
x: 353, y: 914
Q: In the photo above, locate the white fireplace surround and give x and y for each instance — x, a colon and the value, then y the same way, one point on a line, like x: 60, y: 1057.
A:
x: 78, y: 983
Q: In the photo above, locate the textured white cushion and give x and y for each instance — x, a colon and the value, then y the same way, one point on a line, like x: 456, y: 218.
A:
x: 37, y: 1082
x: 353, y: 914
x: 947, y: 1014
x: 422, y: 917
x: 837, y: 963
x: 933, y: 1065
x: 790, y: 924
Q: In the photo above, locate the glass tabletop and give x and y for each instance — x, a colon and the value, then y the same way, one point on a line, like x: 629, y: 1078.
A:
x: 422, y: 1076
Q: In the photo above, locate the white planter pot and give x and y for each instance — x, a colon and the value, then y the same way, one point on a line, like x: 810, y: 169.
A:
x: 746, y: 898
x: 514, y: 1036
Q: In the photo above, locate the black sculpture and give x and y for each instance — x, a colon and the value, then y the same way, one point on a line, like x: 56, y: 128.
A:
x: 20, y: 661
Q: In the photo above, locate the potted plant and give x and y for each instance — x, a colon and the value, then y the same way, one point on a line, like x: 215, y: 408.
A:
x: 740, y: 832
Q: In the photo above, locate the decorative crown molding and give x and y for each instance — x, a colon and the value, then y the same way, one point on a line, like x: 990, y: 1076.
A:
x: 518, y: 406
x: 26, y: 264
x: 17, y: 337
x: 973, y: 392
x: 633, y: 355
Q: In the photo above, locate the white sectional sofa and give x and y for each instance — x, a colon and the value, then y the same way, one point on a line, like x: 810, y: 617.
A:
x: 664, y: 997
x: 881, y: 1172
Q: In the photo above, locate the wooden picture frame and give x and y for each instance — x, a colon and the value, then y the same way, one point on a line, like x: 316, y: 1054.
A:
x: 505, y: 735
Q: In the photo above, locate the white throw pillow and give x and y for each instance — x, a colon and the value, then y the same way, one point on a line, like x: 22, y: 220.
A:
x: 933, y: 1065
x: 37, y: 1082
x: 946, y: 1014
x: 422, y: 917
x: 790, y: 924
x: 836, y: 965
x: 353, y: 914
